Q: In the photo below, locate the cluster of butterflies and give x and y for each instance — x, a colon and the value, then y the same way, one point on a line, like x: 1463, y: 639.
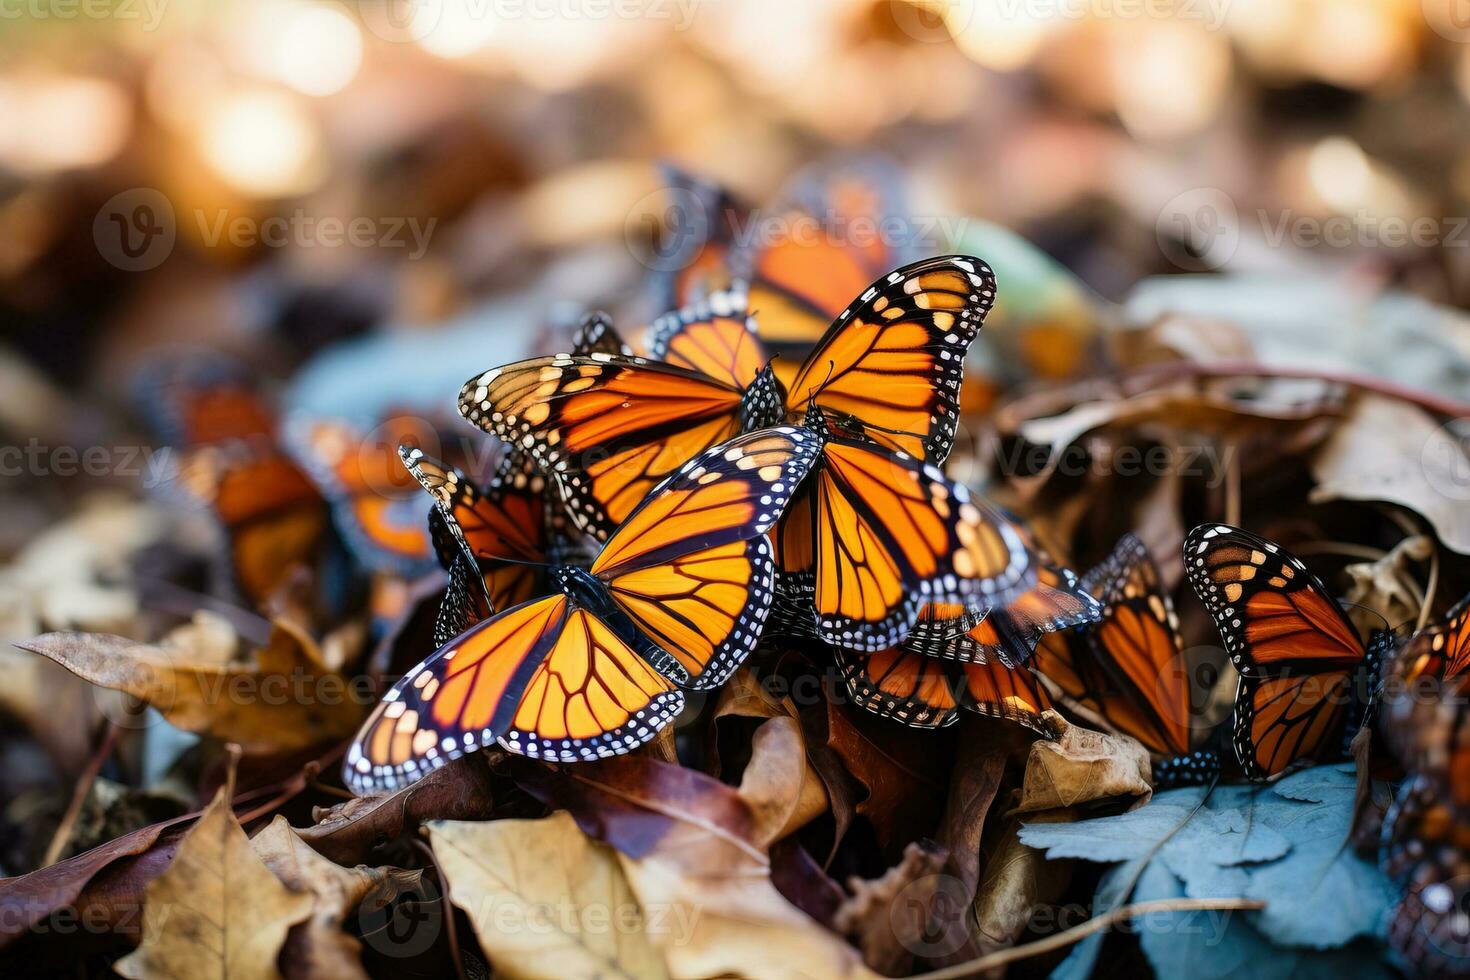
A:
x: 658, y: 517
x: 771, y: 471
x: 1424, y: 841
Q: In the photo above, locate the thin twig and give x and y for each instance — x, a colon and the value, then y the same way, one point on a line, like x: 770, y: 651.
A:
x: 1096, y: 924
x: 1232, y: 491
x: 79, y: 795
x: 1252, y: 369
x: 449, y: 926
x: 1429, y: 589
x: 1344, y: 548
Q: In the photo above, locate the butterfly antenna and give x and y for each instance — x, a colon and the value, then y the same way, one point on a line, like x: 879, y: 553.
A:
x: 1346, y: 604
x: 811, y: 392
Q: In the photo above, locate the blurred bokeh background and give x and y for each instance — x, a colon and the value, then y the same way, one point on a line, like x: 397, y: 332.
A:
x: 521, y: 136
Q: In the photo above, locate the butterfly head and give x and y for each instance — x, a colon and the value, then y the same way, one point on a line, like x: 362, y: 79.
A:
x: 579, y: 585
x: 816, y: 421
x: 764, y: 402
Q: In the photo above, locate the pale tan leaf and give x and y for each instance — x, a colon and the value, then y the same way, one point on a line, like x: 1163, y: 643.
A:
x: 888, y: 917
x: 545, y: 901
x: 723, y: 915
x: 320, y: 947
x: 217, y: 911
x: 273, y: 700
x: 1080, y: 766
x: 1395, y: 452
x: 782, y: 790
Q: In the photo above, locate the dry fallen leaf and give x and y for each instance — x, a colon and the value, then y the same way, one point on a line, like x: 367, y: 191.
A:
x: 1395, y: 452
x: 779, y: 786
x: 544, y: 900
x: 320, y: 947
x: 903, y: 773
x: 686, y: 843
x: 1081, y: 766
x: 217, y: 911
x: 1017, y: 881
x: 274, y: 700
x: 886, y: 916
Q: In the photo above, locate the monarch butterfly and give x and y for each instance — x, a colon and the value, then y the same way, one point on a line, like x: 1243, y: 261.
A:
x: 608, y: 428
x: 695, y: 252
x: 378, y: 507
x: 924, y: 692
x: 956, y: 658
x: 1128, y: 668
x: 678, y: 596
x: 1304, y: 674
x: 226, y: 457
x: 502, y: 532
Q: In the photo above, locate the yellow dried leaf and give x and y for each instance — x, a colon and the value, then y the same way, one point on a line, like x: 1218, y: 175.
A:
x: 321, y: 947
x: 217, y: 911
x: 275, y: 700
x: 545, y: 901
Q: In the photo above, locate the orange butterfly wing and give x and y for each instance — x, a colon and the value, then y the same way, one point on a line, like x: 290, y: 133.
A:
x: 888, y: 534
x: 895, y: 358
x: 715, y: 337
x: 691, y: 567
x: 607, y: 429
x: 1297, y: 654
x: 900, y: 684
x: 1271, y: 611
x: 498, y: 531
x: 546, y: 678
x: 1011, y: 632
x: 1442, y: 650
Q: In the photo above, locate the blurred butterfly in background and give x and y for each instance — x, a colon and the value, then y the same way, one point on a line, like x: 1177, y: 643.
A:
x: 1441, y: 650
x: 704, y: 222
x: 1425, y: 835
x: 1305, y: 676
x: 678, y: 596
x: 378, y: 507
x: 837, y: 227
x: 1129, y: 668
x: 881, y: 530
x: 224, y: 455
